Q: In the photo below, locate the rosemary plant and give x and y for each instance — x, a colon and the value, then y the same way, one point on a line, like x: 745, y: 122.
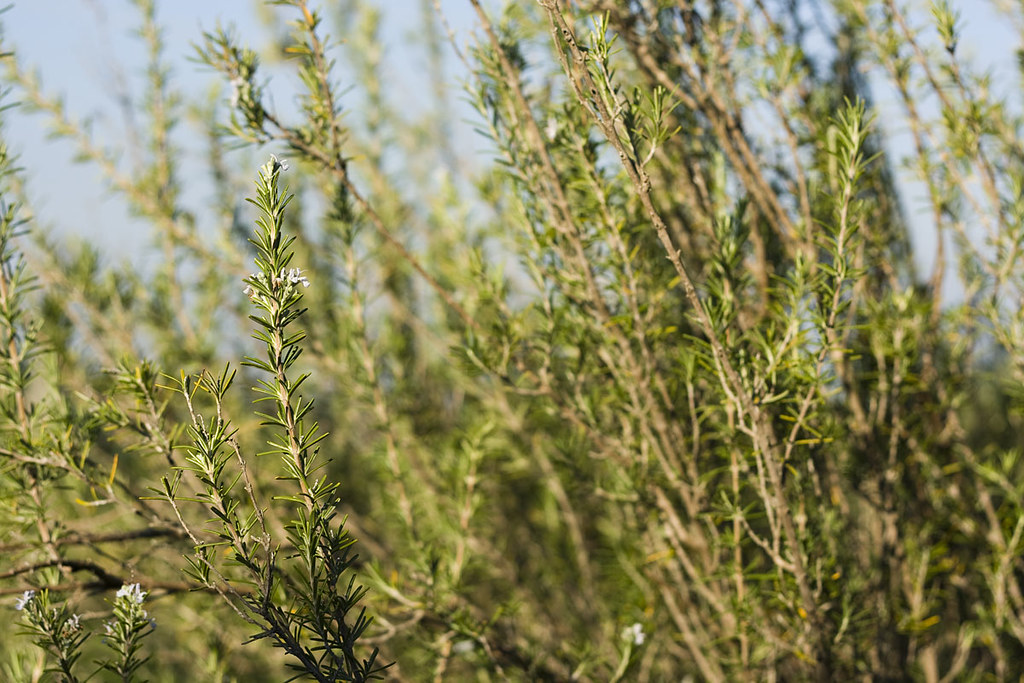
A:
x: 303, y: 599
x: 658, y: 382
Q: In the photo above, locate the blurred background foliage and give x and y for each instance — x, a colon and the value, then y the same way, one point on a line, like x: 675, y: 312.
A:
x: 663, y: 363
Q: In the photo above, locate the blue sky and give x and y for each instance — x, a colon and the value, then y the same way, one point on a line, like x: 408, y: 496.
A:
x: 87, y: 55
x: 86, y: 51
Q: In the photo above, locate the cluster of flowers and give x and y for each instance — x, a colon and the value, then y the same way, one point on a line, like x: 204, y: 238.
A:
x: 634, y: 634
x: 290, y: 277
x: 129, y: 594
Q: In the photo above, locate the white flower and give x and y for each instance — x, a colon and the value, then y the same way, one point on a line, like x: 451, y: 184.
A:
x: 282, y: 163
x: 269, y: 170
x: 251, y: 291
x: 295, y: 277
x: 108, y: 626
x: 133, y: 592
x: 634, y: 633
x: 291, y: 277
x: 285, y: 278
x: 72, y: 624
x: 23, y: 601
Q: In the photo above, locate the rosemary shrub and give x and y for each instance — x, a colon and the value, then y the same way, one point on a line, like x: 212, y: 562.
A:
x: 657, y: 384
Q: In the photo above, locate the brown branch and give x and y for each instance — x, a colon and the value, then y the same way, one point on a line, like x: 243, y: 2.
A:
x: 761, y: 428
x: 88, y: 539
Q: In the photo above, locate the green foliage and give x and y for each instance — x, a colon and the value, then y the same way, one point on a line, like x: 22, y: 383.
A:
x: 659, y: 394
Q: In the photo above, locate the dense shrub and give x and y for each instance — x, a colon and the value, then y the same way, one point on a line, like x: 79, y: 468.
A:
x: 662, y: 393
